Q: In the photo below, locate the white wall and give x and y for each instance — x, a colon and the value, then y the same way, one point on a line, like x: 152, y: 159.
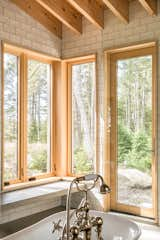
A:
x: 19, y: 28
x: 141, y: 27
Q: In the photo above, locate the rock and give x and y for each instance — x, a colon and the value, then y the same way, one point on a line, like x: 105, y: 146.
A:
x: 134, y: 178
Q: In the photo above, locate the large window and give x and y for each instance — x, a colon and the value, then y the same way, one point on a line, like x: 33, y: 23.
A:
x: 44, y: 135
x: 132, y: 145
x: 26, y: 117
x: 82, y: 103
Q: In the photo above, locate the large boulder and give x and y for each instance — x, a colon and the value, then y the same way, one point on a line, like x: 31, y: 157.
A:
x: 134, y: 178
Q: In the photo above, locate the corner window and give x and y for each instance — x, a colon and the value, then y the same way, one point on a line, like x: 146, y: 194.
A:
x: 38, y: 118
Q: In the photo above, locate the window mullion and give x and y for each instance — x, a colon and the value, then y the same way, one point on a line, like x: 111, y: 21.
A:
x: 52, y: 121
x: 23, y: 116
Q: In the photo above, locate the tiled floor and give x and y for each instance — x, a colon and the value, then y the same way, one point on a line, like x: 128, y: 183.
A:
x: 150, y: 232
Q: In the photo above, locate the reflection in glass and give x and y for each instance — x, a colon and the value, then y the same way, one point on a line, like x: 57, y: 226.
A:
x: 38, y: 130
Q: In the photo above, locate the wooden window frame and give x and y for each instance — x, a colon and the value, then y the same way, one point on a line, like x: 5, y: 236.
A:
x: 24, y: 55
x: 69, y: 63
x: 109, y: 142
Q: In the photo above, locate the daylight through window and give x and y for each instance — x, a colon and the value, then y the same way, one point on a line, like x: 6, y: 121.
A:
x: 26, y: 114
x: 83, y: 117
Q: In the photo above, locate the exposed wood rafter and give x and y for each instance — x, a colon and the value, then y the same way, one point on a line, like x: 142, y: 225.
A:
x: 91, y: 9
x: 120, y: 8
x: 36, y: 11
x: 150, y: 6
x: 63, y: 11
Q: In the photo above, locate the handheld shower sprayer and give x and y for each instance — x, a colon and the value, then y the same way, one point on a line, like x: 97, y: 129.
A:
x: 103, y: 187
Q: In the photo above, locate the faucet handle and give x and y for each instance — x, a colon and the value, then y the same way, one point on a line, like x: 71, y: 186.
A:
x: 75, y: 232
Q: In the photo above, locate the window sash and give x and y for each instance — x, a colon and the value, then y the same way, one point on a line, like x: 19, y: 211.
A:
x: 24, y: 57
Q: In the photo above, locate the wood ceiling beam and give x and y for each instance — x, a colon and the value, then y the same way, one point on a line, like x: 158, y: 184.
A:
x: 150, y: 6
x: 36, y: 11
x: 91, y: 9
x: 120, y: 8
x: 65, y: 12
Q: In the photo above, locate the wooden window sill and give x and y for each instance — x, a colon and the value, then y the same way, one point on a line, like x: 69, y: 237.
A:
x: 29, y: 184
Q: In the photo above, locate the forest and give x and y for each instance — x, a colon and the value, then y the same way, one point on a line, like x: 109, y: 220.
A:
x: 134, y: 103
x: 38, y: 117
x: 83, y: 117
x: 134, y: 115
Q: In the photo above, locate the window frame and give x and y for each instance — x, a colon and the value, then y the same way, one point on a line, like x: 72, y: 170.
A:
x: 70, y: 63
x: 136, y: 50
x: 23, y: 56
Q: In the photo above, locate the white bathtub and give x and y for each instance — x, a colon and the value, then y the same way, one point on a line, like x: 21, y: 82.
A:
x: 114, y: 228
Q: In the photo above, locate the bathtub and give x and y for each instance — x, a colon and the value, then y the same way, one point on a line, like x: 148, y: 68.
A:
x: 114, y: 228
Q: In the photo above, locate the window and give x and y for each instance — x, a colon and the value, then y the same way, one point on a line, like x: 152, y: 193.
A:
x: 83, y: 115
x: 26, y: 116
x: 11, y: 102
x: 131, y: 99
x: 38, y: 118
x: 39, y: 127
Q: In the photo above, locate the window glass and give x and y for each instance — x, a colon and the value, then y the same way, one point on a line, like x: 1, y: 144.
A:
x: 10, y: 117
x: 134, y: 100
x: 83, y: 118
x: 38, y: 130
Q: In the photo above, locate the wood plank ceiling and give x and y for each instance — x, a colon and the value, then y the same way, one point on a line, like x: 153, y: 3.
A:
x: 53, y: 13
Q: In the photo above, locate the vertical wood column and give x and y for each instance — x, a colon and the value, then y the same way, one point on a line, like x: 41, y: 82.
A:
x: 61, y: 117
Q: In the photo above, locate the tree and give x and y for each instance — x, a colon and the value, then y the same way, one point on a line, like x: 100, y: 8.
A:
x: 134, y: 78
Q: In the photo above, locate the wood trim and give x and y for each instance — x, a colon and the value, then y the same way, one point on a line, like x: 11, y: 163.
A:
x: 17, y: 49
x: 97, y: 160
x: 63, y: 11
x: 29, y: 184
x: 52, y: 120
x: 79, y: 58
x: 107, y: 137
x: 20, y: 117
x: 113, y: 142
x: 155, y: 127
x: 60, y: 76
x: 70, y: 63
x: 40, y: 14
x: 132, y: 53
x: 2, y: 117
x: 129, y: 47
x: 120, y: 9
x: 92, y: 10
x: 122, y: 53
x: 134, y: 210
x: 69, y: 88
x: 150, y: 6
x: 24, y: 89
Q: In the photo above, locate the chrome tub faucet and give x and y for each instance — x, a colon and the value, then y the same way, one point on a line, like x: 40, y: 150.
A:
x: 83, y: 222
